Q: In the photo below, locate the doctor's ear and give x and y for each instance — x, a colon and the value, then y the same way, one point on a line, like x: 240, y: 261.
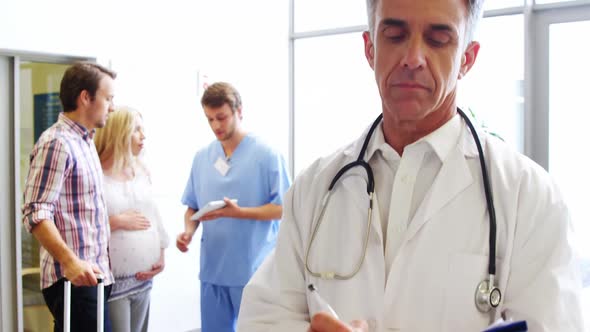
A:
x: 369, y: 49
x: 468, y: 58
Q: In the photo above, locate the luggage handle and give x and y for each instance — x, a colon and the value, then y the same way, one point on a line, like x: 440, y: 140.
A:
x: 99, y: 304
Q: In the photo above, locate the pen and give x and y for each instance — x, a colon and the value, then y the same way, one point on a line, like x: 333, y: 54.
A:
x: 317, y: 304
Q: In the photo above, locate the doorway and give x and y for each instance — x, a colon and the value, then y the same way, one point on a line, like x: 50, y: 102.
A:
x: 29, y: 104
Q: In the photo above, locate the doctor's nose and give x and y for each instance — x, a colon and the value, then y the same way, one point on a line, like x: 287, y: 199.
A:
x: 414, y: 57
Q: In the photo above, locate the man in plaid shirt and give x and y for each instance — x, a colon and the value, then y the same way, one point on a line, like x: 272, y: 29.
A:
x: 63, y: 204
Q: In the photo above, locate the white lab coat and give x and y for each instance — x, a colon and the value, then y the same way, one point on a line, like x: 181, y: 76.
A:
x: 442, y: 258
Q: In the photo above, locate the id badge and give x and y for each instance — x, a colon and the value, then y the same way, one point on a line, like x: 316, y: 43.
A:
x: 222, y: 166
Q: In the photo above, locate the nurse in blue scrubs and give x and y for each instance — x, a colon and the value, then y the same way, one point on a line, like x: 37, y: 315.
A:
x: 236, y: 238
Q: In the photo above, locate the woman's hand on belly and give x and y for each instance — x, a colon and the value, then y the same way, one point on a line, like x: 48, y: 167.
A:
x: 130, y: 220
x: 156, y: 268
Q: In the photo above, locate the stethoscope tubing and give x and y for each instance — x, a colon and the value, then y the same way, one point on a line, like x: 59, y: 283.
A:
x: 370, y: 191
x: 488, y: 194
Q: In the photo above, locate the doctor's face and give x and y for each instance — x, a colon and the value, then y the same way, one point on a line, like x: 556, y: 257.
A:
x: 418, y: 52
x: 223, y: 121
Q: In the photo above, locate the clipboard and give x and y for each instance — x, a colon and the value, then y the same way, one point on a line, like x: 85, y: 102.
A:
x: 518, y: 326
x: 211, y: 206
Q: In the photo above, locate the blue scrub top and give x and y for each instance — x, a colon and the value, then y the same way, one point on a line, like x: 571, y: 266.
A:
x: 232, y: 249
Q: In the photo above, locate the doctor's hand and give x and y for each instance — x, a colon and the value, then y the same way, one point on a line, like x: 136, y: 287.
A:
x: 183, y: 240
x: 324, y: 322
x: 231, y: 210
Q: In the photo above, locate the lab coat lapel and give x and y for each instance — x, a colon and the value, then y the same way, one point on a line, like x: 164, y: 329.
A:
x: 454, y: 177
x: 376, y: 223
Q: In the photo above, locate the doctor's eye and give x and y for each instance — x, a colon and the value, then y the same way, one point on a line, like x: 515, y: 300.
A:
x: 438, y: 37
x: 394, y: 33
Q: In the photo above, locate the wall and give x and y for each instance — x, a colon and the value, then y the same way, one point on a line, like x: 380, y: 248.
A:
x: 158, y: 49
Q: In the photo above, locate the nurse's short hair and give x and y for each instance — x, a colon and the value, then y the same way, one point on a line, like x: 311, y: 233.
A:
x: 220, y: 93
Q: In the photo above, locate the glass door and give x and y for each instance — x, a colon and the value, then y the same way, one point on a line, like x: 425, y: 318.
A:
x: 39, y: 108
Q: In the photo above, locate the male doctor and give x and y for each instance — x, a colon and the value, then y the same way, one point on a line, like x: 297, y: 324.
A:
x: 427, y: 247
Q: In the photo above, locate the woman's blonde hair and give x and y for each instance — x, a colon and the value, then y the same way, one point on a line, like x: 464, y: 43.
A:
x: 114, y: 139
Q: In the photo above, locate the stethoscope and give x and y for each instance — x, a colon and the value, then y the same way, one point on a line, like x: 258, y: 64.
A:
x: 487, y: 295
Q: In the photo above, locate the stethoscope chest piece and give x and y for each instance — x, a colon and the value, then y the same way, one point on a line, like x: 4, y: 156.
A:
x: 487, y: 296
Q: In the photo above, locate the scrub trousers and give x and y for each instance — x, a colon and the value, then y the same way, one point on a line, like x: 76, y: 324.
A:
x: 220, y: 306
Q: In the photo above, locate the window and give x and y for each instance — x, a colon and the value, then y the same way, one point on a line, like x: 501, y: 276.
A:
x: 336, y: 96
x: 320, y: 14
x: 568, y: 122
x: 539, y: 2
x: 499, y: 4
x: 499, y: 68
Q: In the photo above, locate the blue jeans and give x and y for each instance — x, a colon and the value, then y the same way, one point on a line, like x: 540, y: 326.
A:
x: 83, y: 307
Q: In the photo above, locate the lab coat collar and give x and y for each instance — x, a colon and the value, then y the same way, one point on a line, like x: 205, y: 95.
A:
x: 442, y: 141
x: 454, y: 132
x: 466, y: 142
x: 376, y: 140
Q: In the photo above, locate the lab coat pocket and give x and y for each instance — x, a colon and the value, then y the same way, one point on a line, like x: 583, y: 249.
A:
x: 465, y: 272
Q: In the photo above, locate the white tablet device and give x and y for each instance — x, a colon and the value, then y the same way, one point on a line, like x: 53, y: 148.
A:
x: 211, y: 206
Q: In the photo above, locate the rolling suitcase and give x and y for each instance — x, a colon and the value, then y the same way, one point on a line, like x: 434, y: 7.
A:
x: 99, y: 305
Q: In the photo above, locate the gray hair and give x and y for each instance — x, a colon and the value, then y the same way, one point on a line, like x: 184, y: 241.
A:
x: 474, y: 8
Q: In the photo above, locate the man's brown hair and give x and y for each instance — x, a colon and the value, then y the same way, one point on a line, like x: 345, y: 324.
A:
x: 79, y: 77
x: 220, y: 93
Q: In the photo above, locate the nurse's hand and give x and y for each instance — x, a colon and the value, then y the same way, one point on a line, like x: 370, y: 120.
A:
x: 231, y: 210
x: 323, y: 322
x: 183, y: 240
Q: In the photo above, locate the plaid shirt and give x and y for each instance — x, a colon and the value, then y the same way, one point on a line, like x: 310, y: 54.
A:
x: 65, y: 185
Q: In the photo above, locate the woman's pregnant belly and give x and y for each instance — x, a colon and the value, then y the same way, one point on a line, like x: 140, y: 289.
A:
x: 134, y: 251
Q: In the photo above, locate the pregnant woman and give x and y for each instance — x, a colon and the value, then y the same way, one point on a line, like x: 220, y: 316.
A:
x: 138, y: 238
